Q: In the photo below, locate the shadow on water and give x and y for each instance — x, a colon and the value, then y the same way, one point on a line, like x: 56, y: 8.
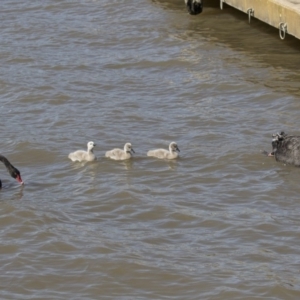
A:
x: 127, y: 164
x: 179, y: 4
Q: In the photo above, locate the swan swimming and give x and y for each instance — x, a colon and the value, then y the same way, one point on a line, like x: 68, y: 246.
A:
x: 119, y: 154
x: 81, y: 155
x: 286, y: 148
x: 165, y: 154
x: 14, y: 172
x: 194, y: 7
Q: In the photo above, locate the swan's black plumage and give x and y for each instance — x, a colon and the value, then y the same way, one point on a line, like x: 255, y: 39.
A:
x: 194, y: 7
x: 286, y: 148
x: 14, y: 172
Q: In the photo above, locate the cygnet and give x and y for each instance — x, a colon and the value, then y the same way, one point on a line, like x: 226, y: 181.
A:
x: 286, y: 148
x: 81, y: 155
x: 165, y: 154
x: 119, y: 154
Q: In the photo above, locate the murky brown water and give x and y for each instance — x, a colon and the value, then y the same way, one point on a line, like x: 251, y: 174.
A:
x: 221, y: 222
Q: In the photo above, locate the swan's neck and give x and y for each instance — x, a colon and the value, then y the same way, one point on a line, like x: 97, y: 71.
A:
x: 90, y: 150
x: 10, y: 168
x: 5, y: 161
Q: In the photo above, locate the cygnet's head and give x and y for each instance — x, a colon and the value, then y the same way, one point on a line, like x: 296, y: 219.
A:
x: 90, y: 145
x: 128, y: 148
x: 173, y: 147
x: 276, y: 139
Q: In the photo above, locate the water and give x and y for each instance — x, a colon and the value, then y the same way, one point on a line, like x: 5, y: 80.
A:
x: 221, y: 222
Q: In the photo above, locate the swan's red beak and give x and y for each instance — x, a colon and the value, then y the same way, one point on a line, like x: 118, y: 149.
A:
x: 19, y: 179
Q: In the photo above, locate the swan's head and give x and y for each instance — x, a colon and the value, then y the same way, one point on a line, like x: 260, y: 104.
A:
x: 173, y: 147
x: 194, y: 7
x: 90, y: 145
x: 15, y: 173
x: 276, y: 140
x: 128, y: 148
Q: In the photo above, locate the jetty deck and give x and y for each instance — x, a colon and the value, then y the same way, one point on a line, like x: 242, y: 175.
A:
x: 281, y: 14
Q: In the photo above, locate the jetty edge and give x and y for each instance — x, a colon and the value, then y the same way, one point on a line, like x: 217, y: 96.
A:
x: 281, y: 14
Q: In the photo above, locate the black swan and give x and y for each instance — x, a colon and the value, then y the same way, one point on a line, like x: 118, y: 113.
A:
x: 194, y: 7
x: 286, y: 148
x: 14, y: 172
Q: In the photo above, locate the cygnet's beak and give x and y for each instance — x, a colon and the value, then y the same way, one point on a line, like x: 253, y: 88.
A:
x: 177, y: 149
x: 271, y: 154
x: 132, y: 150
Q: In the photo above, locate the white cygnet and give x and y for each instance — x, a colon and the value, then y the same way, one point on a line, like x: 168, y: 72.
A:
x: 119, y: 154
x: 165, y: 154
x: 81, y: 155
